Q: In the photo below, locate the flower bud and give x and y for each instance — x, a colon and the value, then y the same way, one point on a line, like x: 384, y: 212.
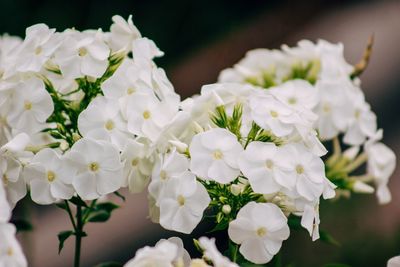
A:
x: 180, y: 146
x: 236, y: 189
x: 360, y: 187
x: 351, y: 153
x: 226, y: 209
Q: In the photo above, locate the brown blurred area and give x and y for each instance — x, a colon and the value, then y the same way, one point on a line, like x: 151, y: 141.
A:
x: 368, y: 233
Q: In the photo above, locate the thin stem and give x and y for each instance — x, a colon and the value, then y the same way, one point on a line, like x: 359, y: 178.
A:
x: 70, y: 214
x: 78, y: 235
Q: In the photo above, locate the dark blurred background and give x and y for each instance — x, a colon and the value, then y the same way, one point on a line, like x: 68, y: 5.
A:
x: 200, y: 38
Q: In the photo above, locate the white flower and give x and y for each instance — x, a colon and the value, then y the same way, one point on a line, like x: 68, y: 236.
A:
x: 168, y: 166
x: 306, y: 172
x: 362, y: 123
x: 259, y: 164
x: 103, y: 114
x: 48, y: 177
x: 82, y: 54
x: 381, y: 165
x: 30, y: 107
x: 97, y: 168
x: 5, y: 210
x: 11, y: 254
x: 211, y: 253
x: 300, y: 96
x: 182, y: 203
x: 147, y: 115
x: 334, y: 108
x: 137, y: 166
x: 144, y: 50
x: 214, y: 155
x: 182, y: 256
x: 394, y: 262
x: 162, y: 255
x: 310, y: 220
x: 39, y: 45
x: 259, y: 228
x: 271, y: 114
x: 12, y: 180
x: 122, y: 33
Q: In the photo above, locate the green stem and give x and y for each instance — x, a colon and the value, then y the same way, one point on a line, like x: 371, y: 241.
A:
x: 78, y: 235
x: 70, y: 214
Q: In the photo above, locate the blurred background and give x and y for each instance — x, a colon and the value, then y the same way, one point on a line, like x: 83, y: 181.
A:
x: 200, y: 38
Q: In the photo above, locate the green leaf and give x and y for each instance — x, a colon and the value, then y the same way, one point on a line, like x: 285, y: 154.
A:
x: 78, y: 201
x: 22, y: 225
x: 62, y: 205
x: 62, y: 237
x: 327, y: 238
x: 220, y: 227
x: 110, y: 264
x: 118, y: 194
x: 107, y: 206
x: 100, y: 216
x: 294, y: 222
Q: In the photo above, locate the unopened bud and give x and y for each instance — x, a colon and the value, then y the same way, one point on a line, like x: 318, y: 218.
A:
x: 197, y: 128
x: 351, y: 153
x: 180, y: 146
x: 361, y: 187
x: 236, y: 189
x: 64, y: 145
x: 76, y: 137
x: 226, y: 209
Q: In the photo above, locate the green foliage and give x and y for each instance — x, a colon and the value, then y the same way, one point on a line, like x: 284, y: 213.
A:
x: 62, y: 237
x: 257, y: 133
x: 22, y: 225
x: 305, y: 70
x: 232, y: 123
x: 221, y: 195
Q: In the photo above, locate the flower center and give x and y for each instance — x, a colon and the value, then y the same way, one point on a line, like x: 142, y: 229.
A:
x: 28, y: 105
x: 146, y: 114
x: 269, y: 164
x: 217, y: 155
x: 181, y: 200
x: 51, y: 176
x: 163, y: 175
x: 261, y: 232
x: 292, y: 100
x: 326, y: 108
x: 273, y: 113
x: 135, y: 162
x: 5, y: 180
x: 109, y: 125
x: 357, y: 114
x: 38, y: 50
x: 10, y: 251
x: 130, y: 90
x: 82, y: 52
x: 299, y: 169
x: 94, y: 166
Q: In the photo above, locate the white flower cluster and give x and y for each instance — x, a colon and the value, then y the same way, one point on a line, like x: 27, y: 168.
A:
x: 171, y: 253
x: 82, y: 114
x: 335, y: 97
